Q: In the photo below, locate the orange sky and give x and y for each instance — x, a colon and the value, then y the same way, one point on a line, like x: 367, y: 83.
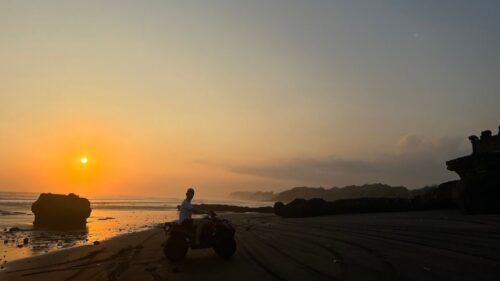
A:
x: 239, y: 95
x: 120, y: 162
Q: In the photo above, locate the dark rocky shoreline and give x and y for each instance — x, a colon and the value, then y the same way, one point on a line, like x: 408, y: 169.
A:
x: 232, y: 208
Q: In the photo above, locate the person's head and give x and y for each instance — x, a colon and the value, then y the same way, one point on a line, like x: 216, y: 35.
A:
x: 189, y: 194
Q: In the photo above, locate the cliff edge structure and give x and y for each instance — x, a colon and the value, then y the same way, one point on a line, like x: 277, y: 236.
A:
x: 480, y: 174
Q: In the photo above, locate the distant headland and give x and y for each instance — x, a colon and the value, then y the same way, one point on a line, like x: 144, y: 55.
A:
x: 375, y: 190
x: 477, y: 191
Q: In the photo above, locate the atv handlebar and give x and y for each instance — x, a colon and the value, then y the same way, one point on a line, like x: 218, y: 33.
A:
x: 211, y: 215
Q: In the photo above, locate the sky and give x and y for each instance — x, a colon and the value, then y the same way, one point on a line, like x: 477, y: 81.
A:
x: 241, y: 95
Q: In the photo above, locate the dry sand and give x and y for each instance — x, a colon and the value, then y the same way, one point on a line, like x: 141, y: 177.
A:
x: 443, y: 245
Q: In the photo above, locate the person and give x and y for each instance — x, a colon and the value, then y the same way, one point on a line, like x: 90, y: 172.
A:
x: 186, y: 212
x: 186, y: 209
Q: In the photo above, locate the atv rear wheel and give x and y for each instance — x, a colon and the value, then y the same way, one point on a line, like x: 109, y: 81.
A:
x: 176, y: 247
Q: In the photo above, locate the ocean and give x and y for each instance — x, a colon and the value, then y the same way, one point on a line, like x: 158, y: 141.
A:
x: 111, y: 216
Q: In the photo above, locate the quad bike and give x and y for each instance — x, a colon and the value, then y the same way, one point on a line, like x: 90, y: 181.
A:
x: 217, y: 234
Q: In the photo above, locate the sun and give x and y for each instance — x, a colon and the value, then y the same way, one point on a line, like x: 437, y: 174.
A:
x: 84, y: 160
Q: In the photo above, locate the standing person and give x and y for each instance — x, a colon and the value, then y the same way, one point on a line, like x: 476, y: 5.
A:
x: 186, y: 212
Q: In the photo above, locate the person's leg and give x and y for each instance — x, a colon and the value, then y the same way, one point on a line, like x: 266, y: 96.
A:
x: 196, y: 226
x: 200, y: 223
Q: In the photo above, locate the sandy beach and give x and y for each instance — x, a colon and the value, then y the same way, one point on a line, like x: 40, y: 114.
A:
x: 431, y: 245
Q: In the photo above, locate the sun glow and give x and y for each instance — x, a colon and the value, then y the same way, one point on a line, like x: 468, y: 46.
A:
x: 84, y: 160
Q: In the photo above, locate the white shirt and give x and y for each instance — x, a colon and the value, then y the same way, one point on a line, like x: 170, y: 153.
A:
x: 185, y: 211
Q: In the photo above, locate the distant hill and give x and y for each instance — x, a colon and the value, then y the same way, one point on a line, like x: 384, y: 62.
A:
x: 376, y: 190
x: 447, y: 195
x: 261, y: 196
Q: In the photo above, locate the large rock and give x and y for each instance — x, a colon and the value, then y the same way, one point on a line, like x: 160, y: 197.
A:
x: 447, y: 195
x: 303, y: 208
x: 61, y: 211
x: 319, y: 207
x: 232, y: 208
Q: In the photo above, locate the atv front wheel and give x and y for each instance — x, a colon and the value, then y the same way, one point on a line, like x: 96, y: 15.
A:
x: 176, y: 247
x: 225, y: 248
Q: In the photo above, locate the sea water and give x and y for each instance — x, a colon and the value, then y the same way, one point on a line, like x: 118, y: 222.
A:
x: 111, y: 216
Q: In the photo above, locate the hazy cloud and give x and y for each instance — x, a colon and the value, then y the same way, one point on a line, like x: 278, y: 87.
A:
x: 416, y: 162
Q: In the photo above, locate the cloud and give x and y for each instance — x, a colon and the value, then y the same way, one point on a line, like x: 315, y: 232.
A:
x: 416, y: 162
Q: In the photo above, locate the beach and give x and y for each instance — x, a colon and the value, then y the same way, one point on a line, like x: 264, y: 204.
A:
x: 426, y: 245
x: 110, y: 217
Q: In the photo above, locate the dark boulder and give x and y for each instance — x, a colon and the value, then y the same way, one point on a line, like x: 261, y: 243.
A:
x: 61, y: 211
x: 447, y: 195
x: 231, y: 208
x: 302, y: 208
x: 319, y: 207
x: 279, y: 209
x: 371, y: 205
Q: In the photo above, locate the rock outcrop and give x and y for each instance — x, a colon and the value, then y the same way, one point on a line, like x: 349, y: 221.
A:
x: 444, y: 196
x: 61, y: 211
x: 319, y: 207
x: 480, y: 174
x: 447, y: 195
x: 232, y: 208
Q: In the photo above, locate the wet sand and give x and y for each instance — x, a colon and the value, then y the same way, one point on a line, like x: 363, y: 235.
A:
x: 438, y: 245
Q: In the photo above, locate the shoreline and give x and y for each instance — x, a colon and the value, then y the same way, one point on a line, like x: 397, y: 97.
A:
x: 420, y: 245
x: 97, y: 229
x: 55, y: 251
x: 114, y: 220
x: 21, y: 233
x: 77, y: 250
